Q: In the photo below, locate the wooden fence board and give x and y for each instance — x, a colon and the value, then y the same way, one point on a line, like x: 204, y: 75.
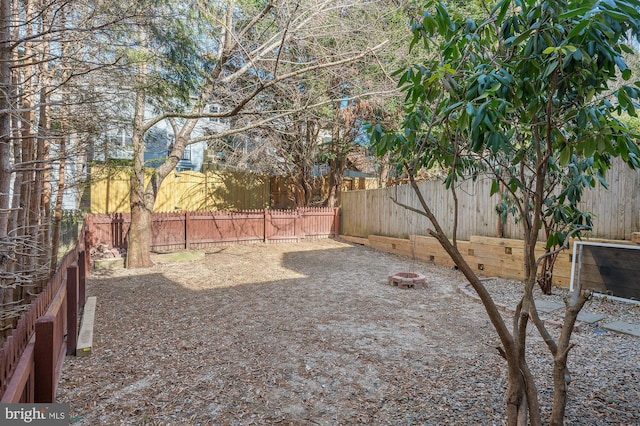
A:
x: 21, y: 386
x: 84, y: 344
x: 31, y: 358
x: 372, y: 212
x: 173, y: 231
x: 185, y: 191
x: 485, y: 255
x: 207, y: 228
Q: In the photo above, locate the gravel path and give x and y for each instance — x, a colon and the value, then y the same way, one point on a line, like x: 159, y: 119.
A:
x: 311, y: 333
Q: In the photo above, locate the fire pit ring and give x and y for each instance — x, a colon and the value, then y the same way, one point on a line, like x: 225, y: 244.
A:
x: 407, y: 280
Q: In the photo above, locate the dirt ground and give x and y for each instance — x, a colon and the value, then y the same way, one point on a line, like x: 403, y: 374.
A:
x: 301, y: 333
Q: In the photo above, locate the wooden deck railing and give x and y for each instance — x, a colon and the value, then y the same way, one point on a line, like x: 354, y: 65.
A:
x: 31, y: 358
x: 194, y: 230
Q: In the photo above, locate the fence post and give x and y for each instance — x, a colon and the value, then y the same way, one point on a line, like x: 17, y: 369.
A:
x: 117, y: 230
x: 297, y: 219
x: 83, y: 269
x: 72, y: 308
x: 114, y: 230
x: 44, y: 360
x: 267, y: 225
x: 84, y: 256
x: 187, y: 243
x: 83, y: 272
x: 336, y: 221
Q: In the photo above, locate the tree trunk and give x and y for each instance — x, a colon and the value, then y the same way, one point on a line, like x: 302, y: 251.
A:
x: 5, y: 150
x: 5, y: 118
x: 336, y: 177
x: 518, y: 401
x: 298, y: 193
x: 139, y: 236
x: 143, y: 196
x: 17, y: 155
x: 303, y: 189
x: 57, y: 215
x: 385, y: 171
x: 545, y: 277
x: 29, y: 197
x: 308, y: 192
x: 63, y: 137
x: 40, y: 202
x: 561, y: 377
x: 43, y: 150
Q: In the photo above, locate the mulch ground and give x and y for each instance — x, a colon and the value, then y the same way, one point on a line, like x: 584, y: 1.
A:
x: 304, y: 333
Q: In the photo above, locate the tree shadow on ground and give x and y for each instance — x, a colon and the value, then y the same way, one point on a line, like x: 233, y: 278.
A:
x: 285, y: 333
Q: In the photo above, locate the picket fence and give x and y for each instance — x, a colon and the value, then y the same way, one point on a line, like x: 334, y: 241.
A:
x: 197, y: 230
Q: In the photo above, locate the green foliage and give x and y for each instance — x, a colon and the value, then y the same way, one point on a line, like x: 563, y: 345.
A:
x: 526, y: 96
x: 475, y: 9
x: 184, y: 46
x: 115, y: 162
x: 633, y: 123
x: 174, y: 44
x: 522, y: 94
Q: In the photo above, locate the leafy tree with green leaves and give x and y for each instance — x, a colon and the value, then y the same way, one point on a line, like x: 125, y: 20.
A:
x: 524, y: 95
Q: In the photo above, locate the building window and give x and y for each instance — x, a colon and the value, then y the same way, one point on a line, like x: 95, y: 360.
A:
x: 215, y: 109
x: 186, y: 155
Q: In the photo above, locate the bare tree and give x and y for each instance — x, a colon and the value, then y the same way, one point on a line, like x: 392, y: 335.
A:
x: 329, y: 103
x: 43, y: 56
x: 245, y: 60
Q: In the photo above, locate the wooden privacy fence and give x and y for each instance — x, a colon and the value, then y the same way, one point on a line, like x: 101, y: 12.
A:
x: 194, y: 230
x: 31, y: 358
x: 187, y: 190
x: 372, y: 212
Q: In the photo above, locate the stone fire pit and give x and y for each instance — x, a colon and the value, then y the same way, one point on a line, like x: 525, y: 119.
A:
x: 407, y: 280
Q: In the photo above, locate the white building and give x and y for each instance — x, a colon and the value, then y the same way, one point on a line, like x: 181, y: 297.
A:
x: 116, y: 143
